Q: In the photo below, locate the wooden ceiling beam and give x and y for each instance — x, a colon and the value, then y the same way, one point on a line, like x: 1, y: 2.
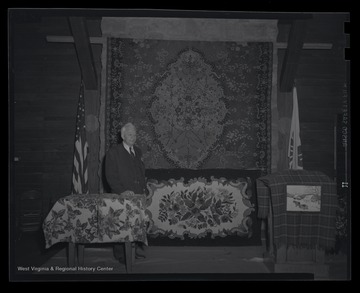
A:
x: 292, y: 54
x: 169, y: 13
x: 101, y: 40
x: 84, y: 52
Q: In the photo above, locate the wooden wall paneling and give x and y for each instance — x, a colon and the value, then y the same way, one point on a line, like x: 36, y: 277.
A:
x: 84, y: 52
x: 320, y: 69
x: 46, y: 85
x: 320, y: 75
x: 323, y: 136
x: 320, y: 56
x: 43, y: 98
x: 26, y: 121
x: 91, y: 97
x: 97, y: 50
x: 48, y: 63
x: 320, y: 99
x: 64, y: 167
x: 33, y: 179
x: 284, y: 101
x: 57, y: 156
x: 27, y: 135
x: 26, y: 180
x: 27, y: 107
x: 55, y: 186
x: 62, y: 50
x: 314, y: 114
x: 31, y: 156
x: 90, y: 69
x: 283, y: 31
x: 62, y: 110
x: 316, y: 126
x: 94, y: 26
x: 29, y: 167
x: 54, y: 25
x: 59, y: 122
x: 326, y: 154
x: 284, y: 104
x: 335, y: 75
x: 292, y: 55
x: 327, y: 27
x: 331, y: 81
x: 318, y: 86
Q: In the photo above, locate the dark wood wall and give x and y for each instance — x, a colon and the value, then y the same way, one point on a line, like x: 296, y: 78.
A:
x: 45, y: 91
x: 320, y: 78
x: 45, y: 88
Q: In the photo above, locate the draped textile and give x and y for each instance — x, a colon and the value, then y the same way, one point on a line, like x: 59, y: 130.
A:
x: 195, y: 104
x: 96, y: 218
x: 308, y: 229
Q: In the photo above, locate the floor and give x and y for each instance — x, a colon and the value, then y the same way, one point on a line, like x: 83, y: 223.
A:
x: 174, y: 260
x: 162, y: 262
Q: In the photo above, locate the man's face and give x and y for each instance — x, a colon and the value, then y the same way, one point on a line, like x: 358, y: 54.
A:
x: 129, y: 136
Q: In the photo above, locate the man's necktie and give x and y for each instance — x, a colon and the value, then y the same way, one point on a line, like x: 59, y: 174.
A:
x: 132, y: 152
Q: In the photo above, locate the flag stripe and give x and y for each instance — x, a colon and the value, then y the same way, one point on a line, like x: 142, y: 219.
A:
x: 80, y: 168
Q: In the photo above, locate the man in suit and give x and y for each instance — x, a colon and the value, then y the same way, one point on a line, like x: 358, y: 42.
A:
x: 125, y: 174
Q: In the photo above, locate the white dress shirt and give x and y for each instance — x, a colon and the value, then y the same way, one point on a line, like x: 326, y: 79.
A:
x: 128, y: 148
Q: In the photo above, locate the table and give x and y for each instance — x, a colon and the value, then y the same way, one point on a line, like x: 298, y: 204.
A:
x: 97, y: 218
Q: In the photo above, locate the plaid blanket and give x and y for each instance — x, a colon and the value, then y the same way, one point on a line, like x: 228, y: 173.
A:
x: 302, y: 229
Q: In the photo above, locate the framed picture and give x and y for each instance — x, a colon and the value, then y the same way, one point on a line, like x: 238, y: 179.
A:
x: 303, y: 198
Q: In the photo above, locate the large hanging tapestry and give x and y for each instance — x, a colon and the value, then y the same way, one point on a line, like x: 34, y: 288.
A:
x: 202, y: 207
x: 196, y: 105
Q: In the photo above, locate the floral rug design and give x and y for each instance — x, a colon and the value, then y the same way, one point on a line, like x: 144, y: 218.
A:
x: 200, y: 208
x: 96, y: 218
x: 195, y: 104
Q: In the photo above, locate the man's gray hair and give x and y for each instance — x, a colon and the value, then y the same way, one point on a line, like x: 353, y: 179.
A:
x: 126, y: 127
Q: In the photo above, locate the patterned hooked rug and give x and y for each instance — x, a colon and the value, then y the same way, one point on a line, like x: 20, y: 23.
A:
x: 212, y: 207
x: 196, y: 104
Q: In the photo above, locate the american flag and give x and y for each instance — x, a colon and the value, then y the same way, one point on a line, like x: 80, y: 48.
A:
x: 294, y: 151
x: 80, y: 168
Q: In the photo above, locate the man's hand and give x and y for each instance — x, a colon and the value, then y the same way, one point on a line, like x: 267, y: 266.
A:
x: 128, y: 193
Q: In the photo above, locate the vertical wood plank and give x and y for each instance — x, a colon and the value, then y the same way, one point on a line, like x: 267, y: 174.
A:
x: 80, y: 253
x: 292, y: 54
x: 84, y: 52
x: 71, y: 254
x: 128, y: 256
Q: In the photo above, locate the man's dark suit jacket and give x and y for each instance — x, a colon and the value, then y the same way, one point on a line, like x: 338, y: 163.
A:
x: 123, y: 172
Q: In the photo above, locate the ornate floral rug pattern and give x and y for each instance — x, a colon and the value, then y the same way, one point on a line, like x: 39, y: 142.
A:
x: 202, y: 207
x: 197, y: 208
x: 195, y: 104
